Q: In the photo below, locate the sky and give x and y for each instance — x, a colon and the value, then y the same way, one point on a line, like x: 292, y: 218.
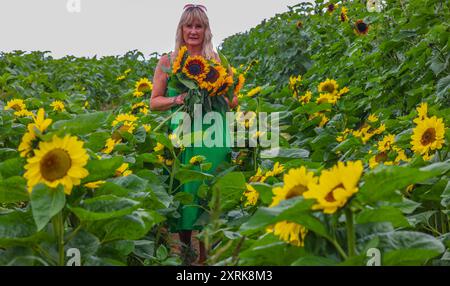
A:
x: 113, y: 27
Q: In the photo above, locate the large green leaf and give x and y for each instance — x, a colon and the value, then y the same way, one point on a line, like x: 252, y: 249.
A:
x: 46, y: 203
x: 382, y: 182
x: 228, y: 190
x: 382, y: 214
x: 104, y: 207
x: 16, y: 227
x: 102, y: 169
x: 132, y: 226
x: 294, y: 210
x: 187, y: 175
x: 13, y: 190
x: 83, y: 123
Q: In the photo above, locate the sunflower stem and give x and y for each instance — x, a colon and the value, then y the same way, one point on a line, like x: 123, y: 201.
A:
x: 350, y: 232
x: 167, y: 118
x: 58, y: 226
x: 338, y: 248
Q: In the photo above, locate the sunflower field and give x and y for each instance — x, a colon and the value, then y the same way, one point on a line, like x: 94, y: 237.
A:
x: 361, y: 176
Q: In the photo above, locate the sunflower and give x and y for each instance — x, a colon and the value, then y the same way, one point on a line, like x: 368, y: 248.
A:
x: 377, y: 159
x: 326, y: 98
x: 196, y: 68
x: 139, y: 104
x: 343, y: 16
x: 428, y: 135
x: 124, y: 117
x: 296, y: 183
x: 60, y: 161
x: 23, y: 113
x: 251, y: 196
x: 361, y: 28
x: 225, y: 85
x: 147, y: 127
x: 343, y: 91
x: 58, y: 105
x: 123, y: 170
x: 16, y: 105
x: 276, y: 170
x: 40, y: 123
x: 120, y: 77
x: 110, y: 144
x: 127, y: 71
x: 335, y: 186
x: 324, y: 120
x: 214, y: 78
x: 197, y: 160
x: 254, y: 91
x: 305, y: 98
x: 372, y: 118
x: 127, y: 127
x: 329, y: 86
x: 240, y: 84
x: 27, y: 143
x: 94, y: 185
x: 258, y: 177
x: 299, y: 24
x: 137, y: 94
x: 159, y: 147
x: 331, y: 7
x: 386, y: 143
x: 289, y: 232
x: 143, y: 85
x: 422, y: 112
x: 177, y: 63
x: 401, y: 156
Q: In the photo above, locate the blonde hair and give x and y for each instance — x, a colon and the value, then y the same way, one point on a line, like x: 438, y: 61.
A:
x: 188, y: 17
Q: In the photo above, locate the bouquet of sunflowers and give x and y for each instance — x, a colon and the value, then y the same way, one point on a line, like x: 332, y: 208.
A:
x: 206, y: 82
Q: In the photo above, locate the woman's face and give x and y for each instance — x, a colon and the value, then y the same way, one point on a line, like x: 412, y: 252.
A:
x: 193, y: 33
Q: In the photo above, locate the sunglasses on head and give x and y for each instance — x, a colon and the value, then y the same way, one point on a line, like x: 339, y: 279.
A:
x: 190, y: 6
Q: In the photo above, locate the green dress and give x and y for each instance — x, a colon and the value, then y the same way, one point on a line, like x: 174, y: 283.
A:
x: 214, y: 155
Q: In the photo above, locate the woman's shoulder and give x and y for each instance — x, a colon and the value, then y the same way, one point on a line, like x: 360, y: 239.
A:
x: 165, y: 60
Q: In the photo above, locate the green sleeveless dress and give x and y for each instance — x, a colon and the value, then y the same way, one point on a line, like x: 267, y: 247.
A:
x: 214, y: 155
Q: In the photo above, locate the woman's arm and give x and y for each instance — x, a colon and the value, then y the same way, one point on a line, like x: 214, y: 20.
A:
x: 158, y: 100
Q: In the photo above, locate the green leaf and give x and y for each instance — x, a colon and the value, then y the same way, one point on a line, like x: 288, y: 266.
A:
x: 16, y: 227
x: 187, y: 175
x: 409, y: 248
x: 294, y: 210
x: 102, y: 169
x: 382, y: 214
x: 13, y: 190
x: 291, y: 153
x: 11, y: 167
x: 83, y: 123
x: 46, y: 203
x: 228, y: 190
x: 133, y: 226
x: 382, y: 182
x: 104, y: 207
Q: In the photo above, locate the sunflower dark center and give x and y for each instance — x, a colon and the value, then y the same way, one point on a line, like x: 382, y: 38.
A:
x: 212, y: 76
x: 330, y: 196
x: 143, y: 87
x: 55, y: 164
x: 381, y: 157
x: 195, y: 68
x: 16, y: 107
x: 362, y: 27
x: 428, y: 137
x: 329, y: 88
x: 331, y: 8
x: 296, y: 191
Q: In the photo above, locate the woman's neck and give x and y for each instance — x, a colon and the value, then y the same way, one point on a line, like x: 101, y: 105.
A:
x: 195, y: 50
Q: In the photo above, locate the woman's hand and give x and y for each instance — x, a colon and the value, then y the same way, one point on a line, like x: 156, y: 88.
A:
x: 179, y: 100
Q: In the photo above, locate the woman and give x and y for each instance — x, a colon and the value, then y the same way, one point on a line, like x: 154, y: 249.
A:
x: 193, y: 32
